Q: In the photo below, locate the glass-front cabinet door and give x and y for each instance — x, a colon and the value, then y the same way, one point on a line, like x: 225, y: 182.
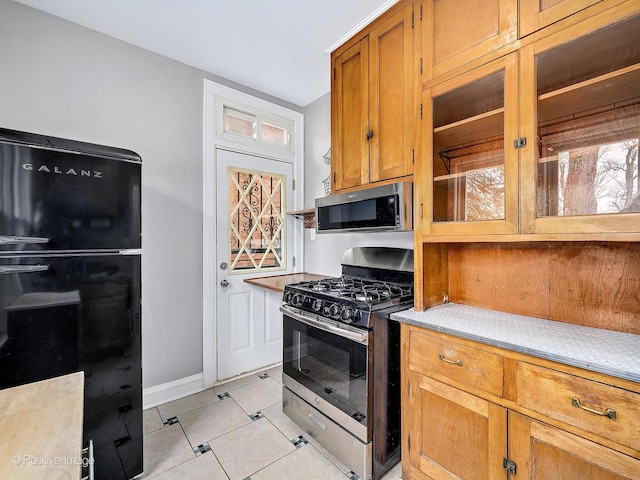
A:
x: 471, y: 177
x: 580, y: 104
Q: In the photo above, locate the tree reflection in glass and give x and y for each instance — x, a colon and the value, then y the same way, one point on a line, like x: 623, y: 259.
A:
x: 591, y: 180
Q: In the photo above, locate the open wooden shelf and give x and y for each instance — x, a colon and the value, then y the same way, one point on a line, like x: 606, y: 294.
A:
x: 442, y: 178
x: 308, y: 216
x: 541, y: 237
x: 485, y: 125
x: 608, y: 89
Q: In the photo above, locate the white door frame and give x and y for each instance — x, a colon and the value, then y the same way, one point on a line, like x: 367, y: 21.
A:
x: 211, y: 142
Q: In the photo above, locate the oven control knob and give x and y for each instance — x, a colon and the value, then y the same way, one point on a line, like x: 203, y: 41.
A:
x: 334, y: 311
x: 317, y: 305
x: 297, y: 300
x: 286, y: 298
x: 347, y: 314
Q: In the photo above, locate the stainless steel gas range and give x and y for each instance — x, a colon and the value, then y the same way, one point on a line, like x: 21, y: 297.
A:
x: 341, y: 358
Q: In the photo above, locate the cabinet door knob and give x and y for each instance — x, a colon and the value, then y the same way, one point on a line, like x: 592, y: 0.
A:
x: 369, y: 134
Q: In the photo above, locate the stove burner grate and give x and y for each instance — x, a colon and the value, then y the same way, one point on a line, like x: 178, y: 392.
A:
x: 321, y: 287
x: 373, y: 293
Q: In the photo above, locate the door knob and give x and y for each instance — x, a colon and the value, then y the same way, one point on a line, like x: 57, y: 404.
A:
x: 224, y: 283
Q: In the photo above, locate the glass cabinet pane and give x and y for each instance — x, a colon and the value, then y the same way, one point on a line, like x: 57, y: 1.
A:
x: 588, y: 124
x: 468, y: 152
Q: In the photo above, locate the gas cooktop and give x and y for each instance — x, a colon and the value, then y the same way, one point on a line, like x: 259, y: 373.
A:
x: 375, y: 293
x: 348, y: 299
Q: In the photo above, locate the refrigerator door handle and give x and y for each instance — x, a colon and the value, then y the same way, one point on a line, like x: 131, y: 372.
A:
x: 4, y: 240
x: 130, y: 251
x: 13, y: 269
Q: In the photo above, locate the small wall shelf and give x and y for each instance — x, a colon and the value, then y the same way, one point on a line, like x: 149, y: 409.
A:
x: 308, y: 215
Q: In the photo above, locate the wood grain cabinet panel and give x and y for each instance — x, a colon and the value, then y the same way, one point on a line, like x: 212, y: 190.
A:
x: 536, y: 14
x: 455, y: 32
x: 541, y: 452
x: 457, y: 435
x: 469, y: 178
x: 607, y: 411
x: 457, y: 430
x: 373, y: 98
x: 392, y: 90
x: 579, y: 111
x: 541, y: 142
x: 450, y: 361
x: 350, y: 114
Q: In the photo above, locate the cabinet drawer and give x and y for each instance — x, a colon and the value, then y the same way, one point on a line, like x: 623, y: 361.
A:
x: 604, y: 410
x: 448, y: 361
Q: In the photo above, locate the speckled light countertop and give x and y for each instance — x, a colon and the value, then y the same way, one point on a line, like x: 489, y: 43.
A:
x: 604, y: 351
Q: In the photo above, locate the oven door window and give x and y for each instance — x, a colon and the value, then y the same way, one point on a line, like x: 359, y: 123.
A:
x: 333, y: 367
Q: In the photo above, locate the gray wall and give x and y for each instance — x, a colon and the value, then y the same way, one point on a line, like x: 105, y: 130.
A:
x: 323, y: 254
x: 59, y: 79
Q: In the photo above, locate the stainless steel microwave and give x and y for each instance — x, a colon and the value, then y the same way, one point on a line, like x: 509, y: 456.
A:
x: 374, y: 209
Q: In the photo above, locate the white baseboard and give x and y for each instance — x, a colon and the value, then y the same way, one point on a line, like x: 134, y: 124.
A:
x: 167, y: 392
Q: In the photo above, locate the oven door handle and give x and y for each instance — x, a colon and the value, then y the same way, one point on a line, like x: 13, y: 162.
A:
x: 327, y: 327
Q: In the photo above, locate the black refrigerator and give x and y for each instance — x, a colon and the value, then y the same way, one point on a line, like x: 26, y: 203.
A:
x: 70, y: 282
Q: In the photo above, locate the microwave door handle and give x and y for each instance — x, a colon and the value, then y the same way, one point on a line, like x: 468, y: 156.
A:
x: 341, y: 332
x: 11, y: 240
x: 17, y: 269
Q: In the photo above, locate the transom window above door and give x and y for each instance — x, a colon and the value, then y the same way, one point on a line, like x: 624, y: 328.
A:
x: 244, y: 125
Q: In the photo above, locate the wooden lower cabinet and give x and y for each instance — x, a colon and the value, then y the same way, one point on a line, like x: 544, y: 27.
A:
x: 541, y: 451
x: 453, y: 434
x: 454, y: 431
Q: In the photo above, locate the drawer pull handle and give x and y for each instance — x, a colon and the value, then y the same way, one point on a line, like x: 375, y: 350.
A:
x: 446, y: 360
x: 317, y: 421
x: 609, y: 412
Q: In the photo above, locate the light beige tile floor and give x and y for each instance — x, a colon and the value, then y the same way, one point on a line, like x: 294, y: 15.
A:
x: 234, y: 431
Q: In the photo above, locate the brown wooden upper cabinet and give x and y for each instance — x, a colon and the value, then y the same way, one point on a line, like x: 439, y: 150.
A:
x: 460, y: 32
x: 580, y: 114
x: 373, y: 105
x: 472, y: 180
x: 536, y: 14
x: 542, y: 141
x: 455, y: 32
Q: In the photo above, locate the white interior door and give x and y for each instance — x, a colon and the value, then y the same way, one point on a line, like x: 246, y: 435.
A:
x: 252, y: 241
